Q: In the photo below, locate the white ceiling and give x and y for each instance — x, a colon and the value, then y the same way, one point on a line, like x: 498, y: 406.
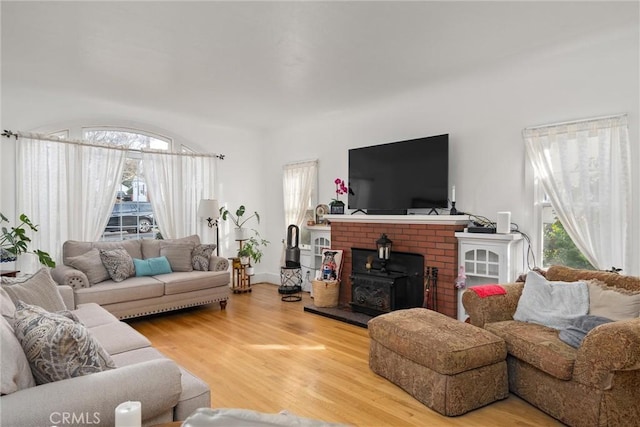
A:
x: 266, y: 64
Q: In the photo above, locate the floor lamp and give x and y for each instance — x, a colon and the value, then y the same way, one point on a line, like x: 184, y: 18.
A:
x: 210, y: 211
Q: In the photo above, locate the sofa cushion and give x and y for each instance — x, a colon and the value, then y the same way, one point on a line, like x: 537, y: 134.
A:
x: 15, y: 372
x: 118, y: 337
x: 436, y: 341
x: 537, y: 345
x: 91, y: 315
x: 133, y: 247
x: 56, y: 346
x: 152, y: 266
x: 91, y: 265
x: 110, y: 292
x: 38, y: 289
x: 200, y: 257
x: 611, y: 302
x: 118, y: 263
x: 151, y: 247
x: 552, y: 304
x: 178, y: 254
x: 177, y: 283
x: 73, y: 248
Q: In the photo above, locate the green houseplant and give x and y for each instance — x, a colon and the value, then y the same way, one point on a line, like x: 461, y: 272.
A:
x: 239, y: 220
x: 251, y: 251
x: 14, y: 241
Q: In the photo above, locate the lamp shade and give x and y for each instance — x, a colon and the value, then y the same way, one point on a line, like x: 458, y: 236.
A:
x: 209, y: 208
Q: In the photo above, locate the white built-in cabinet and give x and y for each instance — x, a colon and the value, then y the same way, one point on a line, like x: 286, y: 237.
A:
x: 489, y: 258
x: 320, y: 238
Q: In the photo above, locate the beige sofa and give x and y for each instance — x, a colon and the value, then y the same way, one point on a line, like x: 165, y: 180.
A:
x: 595, y: 384
x: 141, y: 373
x: 83, y: 270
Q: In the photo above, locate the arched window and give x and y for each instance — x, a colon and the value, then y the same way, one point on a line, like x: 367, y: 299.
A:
x: 132, y: 216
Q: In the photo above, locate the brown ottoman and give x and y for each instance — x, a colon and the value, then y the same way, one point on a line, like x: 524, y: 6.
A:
x: 450, y: 366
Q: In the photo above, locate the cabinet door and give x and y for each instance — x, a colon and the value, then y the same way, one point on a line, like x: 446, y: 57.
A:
x: 482, y: 263
x: 318, y: 244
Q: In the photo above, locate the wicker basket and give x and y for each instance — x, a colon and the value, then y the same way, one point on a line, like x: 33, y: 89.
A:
x: 325, y: 293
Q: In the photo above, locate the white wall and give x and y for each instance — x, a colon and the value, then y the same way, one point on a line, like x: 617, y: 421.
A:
x: 484, y: 112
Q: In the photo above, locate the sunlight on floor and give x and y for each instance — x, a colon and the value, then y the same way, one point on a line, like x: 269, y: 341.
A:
x: 285, y: 347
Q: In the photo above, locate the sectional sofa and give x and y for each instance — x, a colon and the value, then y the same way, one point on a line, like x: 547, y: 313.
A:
x: 67, y: 363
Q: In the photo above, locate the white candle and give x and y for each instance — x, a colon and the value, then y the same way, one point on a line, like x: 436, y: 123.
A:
x: 453, y: 194
x: 129, y: 414
x: 381, y: 253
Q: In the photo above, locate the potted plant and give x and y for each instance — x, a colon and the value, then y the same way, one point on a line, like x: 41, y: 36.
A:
x: 14, y: 241
x: 337, y: 206
x: 239, y: 220
x: 251, y: 251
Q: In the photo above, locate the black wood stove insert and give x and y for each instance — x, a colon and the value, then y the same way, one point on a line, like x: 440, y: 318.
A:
x: 375, y: 292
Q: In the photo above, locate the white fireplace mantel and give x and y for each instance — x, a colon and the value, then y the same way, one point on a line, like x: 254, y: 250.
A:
x: 400, y: 219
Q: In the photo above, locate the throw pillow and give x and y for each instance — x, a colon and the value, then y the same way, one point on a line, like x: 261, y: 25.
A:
x: 611, y: 302
x: 118, y: 263
x: 178, y: 254
x: 152, y: 266
x: 15, y: 371
x: 552, y: 304
x: 57, y: 347
x: 7, y: 307
x: 200, y: 257
x: 91, y: 265
x: 38, y: 289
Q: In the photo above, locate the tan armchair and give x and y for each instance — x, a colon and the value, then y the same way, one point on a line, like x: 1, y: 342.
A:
x: 596, y: 384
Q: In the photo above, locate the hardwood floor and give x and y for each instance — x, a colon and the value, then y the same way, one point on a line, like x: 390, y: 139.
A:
x: 268, y: 355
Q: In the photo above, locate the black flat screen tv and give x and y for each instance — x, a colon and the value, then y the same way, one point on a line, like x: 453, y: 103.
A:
x: 395, y: 177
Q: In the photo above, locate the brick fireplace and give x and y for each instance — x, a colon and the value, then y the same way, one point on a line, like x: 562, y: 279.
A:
x: 432, y: 236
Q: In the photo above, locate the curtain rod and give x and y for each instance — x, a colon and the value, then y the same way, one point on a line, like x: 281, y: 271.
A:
x: 300, y: 162
x: 41, y: 137
x: 568, y: 122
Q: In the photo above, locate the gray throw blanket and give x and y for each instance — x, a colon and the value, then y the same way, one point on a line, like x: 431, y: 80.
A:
x: 579, y: 328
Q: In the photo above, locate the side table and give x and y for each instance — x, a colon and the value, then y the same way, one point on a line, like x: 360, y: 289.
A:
x: 241, y: 281
x: 9, y: 273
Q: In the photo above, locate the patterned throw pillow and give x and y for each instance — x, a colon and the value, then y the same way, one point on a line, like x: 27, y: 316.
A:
x: 56, y: 346
x: 200, y: 257
x: 118, y: 263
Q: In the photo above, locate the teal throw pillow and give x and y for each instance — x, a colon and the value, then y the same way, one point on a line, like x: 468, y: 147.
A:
x: 152, y: 266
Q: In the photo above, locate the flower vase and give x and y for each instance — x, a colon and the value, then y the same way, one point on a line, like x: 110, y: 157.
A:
x: 337, y: 207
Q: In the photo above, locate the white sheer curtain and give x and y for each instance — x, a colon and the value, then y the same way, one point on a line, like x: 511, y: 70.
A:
x: 68, y: 189
x: 585, y: 169
x: 299, y: 182
x: 176, y: 184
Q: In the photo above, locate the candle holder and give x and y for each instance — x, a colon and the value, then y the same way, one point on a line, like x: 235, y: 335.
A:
x: 453, y: 211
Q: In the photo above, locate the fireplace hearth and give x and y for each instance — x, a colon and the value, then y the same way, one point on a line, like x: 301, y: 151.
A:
x: 376, y: 292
